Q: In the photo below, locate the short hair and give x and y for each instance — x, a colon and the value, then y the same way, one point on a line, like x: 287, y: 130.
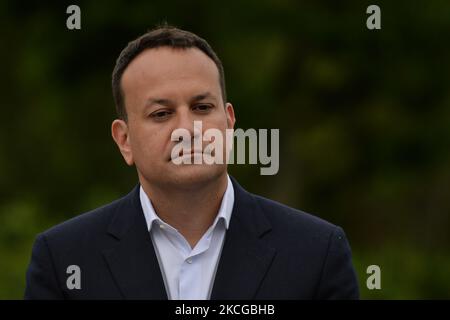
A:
x: 162, y: 36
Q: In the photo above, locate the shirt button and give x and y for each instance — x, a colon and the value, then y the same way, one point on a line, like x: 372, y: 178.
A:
x: 189, y: 260
x: 161, y: 226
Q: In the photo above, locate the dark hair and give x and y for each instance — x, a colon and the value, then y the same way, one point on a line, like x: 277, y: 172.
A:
x: 161, y: 36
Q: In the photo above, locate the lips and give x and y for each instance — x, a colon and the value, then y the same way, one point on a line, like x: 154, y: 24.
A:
x: 191, y: 152
x: 195, y: 151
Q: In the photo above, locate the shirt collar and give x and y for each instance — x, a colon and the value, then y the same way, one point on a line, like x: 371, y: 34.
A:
x: 225, y: 210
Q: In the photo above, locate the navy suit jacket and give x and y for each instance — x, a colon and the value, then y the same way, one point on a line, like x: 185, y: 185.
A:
x: 271, y: 251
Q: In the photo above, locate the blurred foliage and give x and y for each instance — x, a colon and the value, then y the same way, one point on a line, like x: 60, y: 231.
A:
x: 364, y: 119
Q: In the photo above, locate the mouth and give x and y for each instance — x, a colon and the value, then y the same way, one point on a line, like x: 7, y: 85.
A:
x: 193, y: 152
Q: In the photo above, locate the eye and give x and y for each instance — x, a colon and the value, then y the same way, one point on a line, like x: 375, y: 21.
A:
x: 160, y: 114
x: 202, y: 108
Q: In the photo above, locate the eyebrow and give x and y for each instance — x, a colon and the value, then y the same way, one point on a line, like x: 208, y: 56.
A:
x: 164, y: 102
x: 168, y: 102
x: 201, y: 97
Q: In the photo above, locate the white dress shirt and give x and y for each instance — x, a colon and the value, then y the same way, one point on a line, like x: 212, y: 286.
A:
x: 188, y: 273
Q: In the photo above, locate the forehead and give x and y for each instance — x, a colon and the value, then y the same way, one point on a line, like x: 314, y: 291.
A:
x: 163, y: 68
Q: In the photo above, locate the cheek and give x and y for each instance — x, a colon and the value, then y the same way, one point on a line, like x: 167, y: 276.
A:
x: 219, y: 124
x: 219, y: 121
x: 149, y: 143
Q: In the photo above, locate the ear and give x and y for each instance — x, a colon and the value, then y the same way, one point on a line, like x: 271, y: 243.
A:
x: 119, y: 131
x: 230, y: 115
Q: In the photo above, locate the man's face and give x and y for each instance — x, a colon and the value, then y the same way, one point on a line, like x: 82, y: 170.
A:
x: 166, y: 89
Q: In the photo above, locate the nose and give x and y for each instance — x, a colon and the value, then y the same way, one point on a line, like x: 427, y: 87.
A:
x: 185, y: 120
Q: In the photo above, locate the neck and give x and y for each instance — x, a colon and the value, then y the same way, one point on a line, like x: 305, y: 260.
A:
x: 190, y: 211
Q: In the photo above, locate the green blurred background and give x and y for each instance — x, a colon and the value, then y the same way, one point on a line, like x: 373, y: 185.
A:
x: 364, y: 119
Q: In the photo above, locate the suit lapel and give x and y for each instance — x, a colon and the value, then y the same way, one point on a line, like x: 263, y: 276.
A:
x: 245, y: 257
x: 133, y: 262
x: 244, y: 261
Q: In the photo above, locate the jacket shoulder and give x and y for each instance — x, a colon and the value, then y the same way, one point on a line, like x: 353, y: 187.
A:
x: 85, y: 225
x: 298, y: 237
x: 288, y: 218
